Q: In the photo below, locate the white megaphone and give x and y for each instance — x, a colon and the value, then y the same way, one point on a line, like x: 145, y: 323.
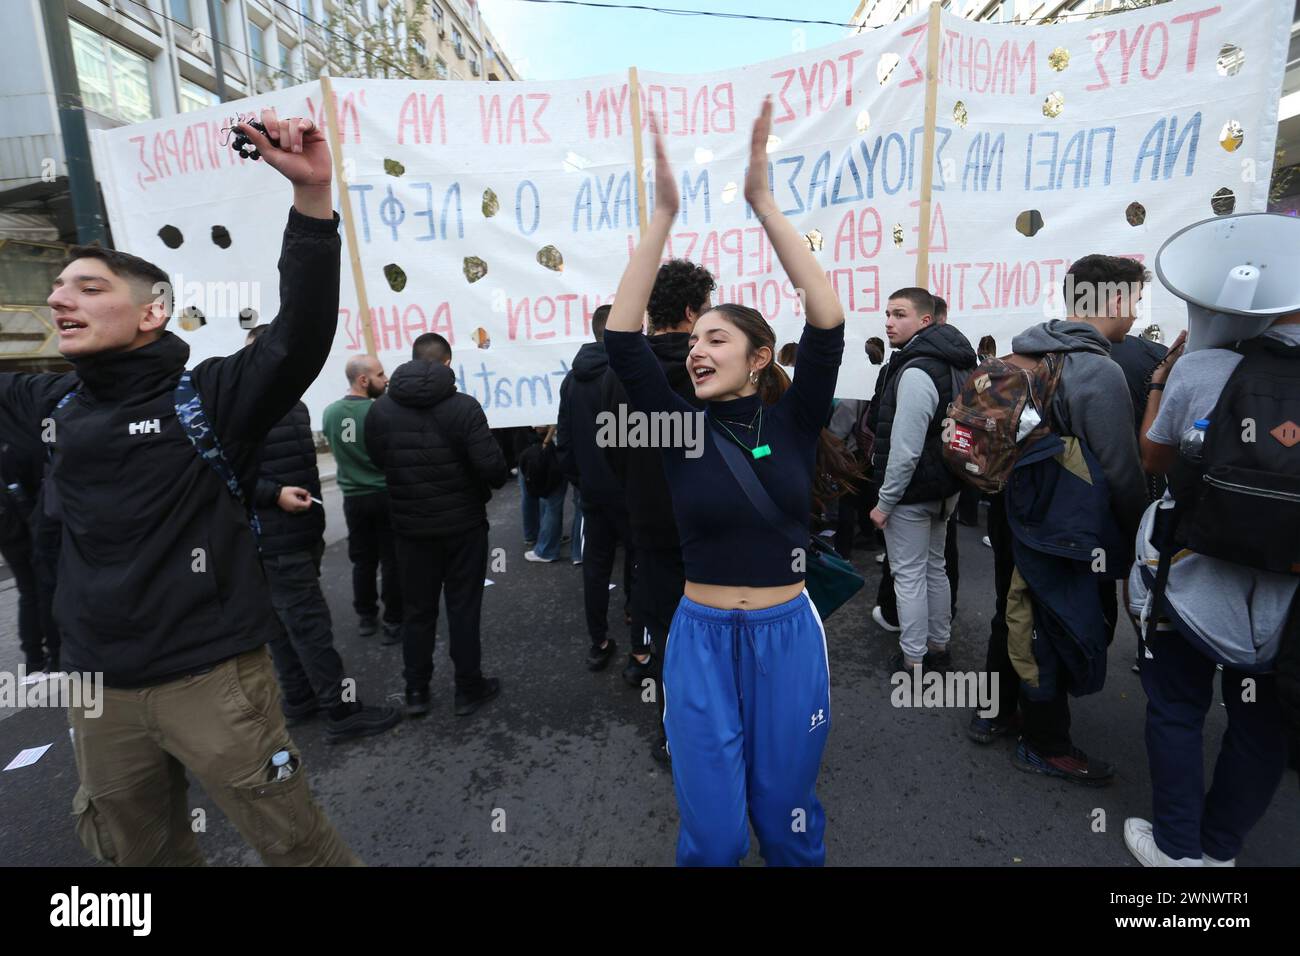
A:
x: 1236, y: 274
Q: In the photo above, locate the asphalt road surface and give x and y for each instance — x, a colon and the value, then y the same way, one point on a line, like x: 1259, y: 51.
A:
x: 558, y: 771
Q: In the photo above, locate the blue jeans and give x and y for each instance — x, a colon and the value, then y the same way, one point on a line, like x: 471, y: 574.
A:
x: 552, y: 524
x: 1188, y: 822
x: 530, y: 505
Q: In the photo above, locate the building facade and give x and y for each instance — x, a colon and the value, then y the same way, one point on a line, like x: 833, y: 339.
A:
x: 143, y: 59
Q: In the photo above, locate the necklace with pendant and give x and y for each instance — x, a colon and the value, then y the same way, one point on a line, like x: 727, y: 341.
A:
x: 759, y: 450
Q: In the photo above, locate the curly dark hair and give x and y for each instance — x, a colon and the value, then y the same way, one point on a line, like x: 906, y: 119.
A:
x: 680, y: 285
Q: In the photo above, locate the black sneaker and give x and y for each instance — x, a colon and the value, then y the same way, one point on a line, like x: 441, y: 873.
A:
x: 636, y: 672
x: 417, y: 701
x: 300, y: 713
x: 368, y: 626
x: 897, y: 663
x: 1076, y: 766
x: 985, y: 730
x: 940, y: 661
x: 661, y: 755
x: 599, y: 657
x: 469, y: 701
x: 362, y: 722
x: 392, y: 635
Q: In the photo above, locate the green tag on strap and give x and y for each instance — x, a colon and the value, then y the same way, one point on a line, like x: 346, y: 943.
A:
x: 762, y: 451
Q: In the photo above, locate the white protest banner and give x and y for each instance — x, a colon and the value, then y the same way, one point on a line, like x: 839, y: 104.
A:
x: 1102, y: 135
x: 501, y: 215
x: 212, y: 221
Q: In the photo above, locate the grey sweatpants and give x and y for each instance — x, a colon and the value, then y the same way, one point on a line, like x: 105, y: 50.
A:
x: 914, y: 537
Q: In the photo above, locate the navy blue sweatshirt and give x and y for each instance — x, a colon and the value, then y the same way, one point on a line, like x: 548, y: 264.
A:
x: 725, y: 541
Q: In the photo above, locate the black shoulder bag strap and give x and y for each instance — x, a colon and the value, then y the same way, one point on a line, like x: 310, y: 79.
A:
x: 754, y: 490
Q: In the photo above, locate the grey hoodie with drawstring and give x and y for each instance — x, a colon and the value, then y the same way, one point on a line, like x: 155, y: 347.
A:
x: 1092, y: 403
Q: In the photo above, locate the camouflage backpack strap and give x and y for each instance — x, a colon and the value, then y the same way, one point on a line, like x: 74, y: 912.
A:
x: 190, y: 414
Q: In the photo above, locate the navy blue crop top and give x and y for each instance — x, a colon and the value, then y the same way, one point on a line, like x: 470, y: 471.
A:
x: 724, y: 539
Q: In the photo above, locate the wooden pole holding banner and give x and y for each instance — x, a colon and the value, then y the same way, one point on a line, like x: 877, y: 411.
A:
x: 345, y: 209
x: 927, y: 149
x: 638, y: 151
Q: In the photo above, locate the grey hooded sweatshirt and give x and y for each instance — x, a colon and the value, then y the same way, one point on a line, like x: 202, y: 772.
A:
x: 1092, y: 403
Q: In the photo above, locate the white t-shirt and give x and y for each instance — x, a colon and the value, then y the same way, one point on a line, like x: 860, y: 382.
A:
x: 1239, y: 610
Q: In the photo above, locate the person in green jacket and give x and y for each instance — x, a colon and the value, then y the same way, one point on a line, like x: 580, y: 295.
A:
x: 365, y: 500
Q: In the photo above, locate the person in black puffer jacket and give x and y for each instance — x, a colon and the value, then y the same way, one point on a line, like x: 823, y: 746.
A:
x: 287, y: 499
x: 441, y: 462
x: 604, y: 506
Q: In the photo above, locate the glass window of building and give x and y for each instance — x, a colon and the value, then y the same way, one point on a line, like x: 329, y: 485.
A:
x: 256, y: 44
x: 286, y: 66
x: 114, y: 80
x: 180, y: 10
x: 195, y: 97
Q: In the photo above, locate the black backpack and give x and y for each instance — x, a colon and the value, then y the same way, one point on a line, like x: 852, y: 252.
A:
x: 540, y: 465
x: 1241, y: 503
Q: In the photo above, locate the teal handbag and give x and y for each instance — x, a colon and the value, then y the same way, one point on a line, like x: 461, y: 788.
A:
x: 830, y: 579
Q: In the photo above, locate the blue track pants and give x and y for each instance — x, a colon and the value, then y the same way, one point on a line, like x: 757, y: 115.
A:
x: 747, y: 712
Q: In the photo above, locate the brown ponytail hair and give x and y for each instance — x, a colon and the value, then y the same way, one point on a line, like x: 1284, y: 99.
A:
x: 837, y: 473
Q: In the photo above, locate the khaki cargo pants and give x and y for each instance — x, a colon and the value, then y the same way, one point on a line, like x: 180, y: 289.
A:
x: 223, y: 726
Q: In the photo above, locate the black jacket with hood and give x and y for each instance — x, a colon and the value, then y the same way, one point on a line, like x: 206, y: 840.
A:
x: 641, y: 470
x: 946, y: 356
x: 158, y: 572
x: 289, y: 459
x: 437, y: 453
x: 581, y: 400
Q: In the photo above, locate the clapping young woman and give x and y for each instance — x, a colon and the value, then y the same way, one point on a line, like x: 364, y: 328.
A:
x: 746, y: 680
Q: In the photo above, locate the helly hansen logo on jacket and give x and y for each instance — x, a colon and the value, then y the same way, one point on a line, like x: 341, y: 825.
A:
x: 146, y: 427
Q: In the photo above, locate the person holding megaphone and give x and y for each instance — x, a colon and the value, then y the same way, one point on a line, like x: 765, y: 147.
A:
x: 1218, y: 558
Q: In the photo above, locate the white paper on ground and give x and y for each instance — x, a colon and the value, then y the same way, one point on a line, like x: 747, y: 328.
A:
x: 28, y: 757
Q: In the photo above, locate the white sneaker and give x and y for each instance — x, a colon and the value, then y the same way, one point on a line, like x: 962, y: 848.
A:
x: 534, y: 556
x: 1208, y: 860
x: 1141, y: 842
x: 986, y: 542
x: 878, y: 616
